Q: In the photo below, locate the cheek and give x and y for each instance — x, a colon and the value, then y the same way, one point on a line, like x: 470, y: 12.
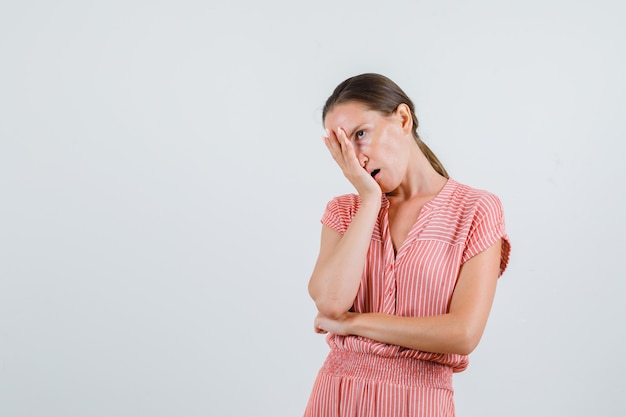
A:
x: 362, y: 147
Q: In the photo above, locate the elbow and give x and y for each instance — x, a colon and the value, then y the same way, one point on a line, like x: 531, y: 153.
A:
x: 465, y: 347
x: 328, y: 305
x: 466, y: 340
x: 331, y: 309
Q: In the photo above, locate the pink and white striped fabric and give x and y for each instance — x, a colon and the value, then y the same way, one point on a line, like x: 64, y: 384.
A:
x: 362, y: 377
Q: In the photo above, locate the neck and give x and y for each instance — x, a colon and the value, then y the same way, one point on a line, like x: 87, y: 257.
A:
x: 421, y: 180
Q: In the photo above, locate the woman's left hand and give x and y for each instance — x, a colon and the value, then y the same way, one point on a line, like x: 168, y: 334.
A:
x: 339, y: 326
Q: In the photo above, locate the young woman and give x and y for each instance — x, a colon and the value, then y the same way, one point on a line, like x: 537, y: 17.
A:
x: 407, y: 267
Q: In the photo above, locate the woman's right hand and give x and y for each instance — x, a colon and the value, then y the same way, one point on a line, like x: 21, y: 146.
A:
x: 343, y: 153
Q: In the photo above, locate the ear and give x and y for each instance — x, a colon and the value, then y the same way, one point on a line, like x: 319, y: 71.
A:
x: 403, y: 113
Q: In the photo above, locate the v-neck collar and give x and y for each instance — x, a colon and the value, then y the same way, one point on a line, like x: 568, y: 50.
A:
x: 420, y: 224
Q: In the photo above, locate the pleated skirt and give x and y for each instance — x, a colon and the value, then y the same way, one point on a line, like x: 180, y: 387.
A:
x: 352, y: 384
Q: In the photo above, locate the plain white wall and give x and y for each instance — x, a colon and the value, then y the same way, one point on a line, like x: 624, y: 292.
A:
x: 162, y: 177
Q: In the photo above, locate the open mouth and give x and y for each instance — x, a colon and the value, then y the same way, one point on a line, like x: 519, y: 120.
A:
x: 374, y: 172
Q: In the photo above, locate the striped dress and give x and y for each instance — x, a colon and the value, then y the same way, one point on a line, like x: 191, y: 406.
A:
x: 362, y: 377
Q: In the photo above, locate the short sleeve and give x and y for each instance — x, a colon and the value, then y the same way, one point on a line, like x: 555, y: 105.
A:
x: 339, y: 212
x: 486, y: 228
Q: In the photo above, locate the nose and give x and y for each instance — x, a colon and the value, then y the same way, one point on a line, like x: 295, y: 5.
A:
x: 362, y: 160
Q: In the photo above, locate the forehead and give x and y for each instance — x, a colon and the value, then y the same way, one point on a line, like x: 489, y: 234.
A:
x: 349, y: 114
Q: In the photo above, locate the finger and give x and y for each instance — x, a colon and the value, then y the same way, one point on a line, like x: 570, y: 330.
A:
x: 342, y: 137
x: 333, y: 143
x: 332, y: 140
x: 334, y: 149
x: 341, y: 140
x: 346, y: 145
x: 326, y: 135
x: 316, y: 326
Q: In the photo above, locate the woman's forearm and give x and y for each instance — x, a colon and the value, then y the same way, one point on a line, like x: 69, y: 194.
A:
x: 337, y: 274
x: 457, y: 331
x: 441, y: 334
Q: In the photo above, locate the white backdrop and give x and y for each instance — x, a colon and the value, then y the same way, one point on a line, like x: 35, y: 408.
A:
x: 162, y: 177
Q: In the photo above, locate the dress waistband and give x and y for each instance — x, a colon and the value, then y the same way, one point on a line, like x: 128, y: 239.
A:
x: 394, y: 370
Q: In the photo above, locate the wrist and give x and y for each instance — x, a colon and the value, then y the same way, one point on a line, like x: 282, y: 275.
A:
x: 371, y: 200
x: 352, y: 323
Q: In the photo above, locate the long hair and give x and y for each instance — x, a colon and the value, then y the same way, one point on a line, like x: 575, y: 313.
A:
x: 379, y: 93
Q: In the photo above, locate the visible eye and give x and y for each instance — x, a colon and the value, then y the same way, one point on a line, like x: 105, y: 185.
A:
x: 360, y: 134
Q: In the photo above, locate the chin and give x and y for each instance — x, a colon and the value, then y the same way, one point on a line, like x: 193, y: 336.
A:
x: 387, y: 189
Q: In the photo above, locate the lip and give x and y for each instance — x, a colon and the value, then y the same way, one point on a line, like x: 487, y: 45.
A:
x: 375, y: 172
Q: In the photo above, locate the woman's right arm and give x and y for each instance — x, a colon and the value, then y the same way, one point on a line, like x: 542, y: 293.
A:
x: 337, y: 274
